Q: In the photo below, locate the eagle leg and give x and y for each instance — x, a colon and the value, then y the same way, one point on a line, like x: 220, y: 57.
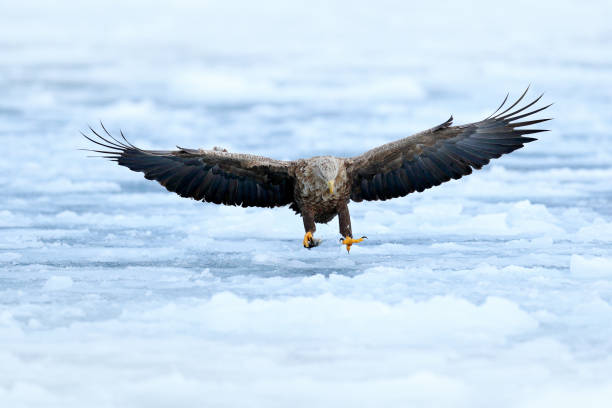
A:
x: 344, y: 218
x: 310, y: 227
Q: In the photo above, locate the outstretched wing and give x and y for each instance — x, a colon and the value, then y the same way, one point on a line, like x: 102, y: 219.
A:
x: 444, y: 152
x: 208, y: 175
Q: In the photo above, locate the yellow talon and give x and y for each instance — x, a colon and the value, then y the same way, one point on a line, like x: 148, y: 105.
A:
x: 348, y: 241
x: 307, y: 239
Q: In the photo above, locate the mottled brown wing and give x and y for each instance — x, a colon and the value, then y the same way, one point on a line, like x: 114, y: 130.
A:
x: 439, y: 154
x: 208, y: 175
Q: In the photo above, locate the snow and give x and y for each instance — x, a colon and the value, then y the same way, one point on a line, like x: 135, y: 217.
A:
x: 493, y: 290
x: 591, y: 265
x: 58, y: 283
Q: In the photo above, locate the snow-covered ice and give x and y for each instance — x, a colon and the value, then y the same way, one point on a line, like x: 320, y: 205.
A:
x: 494, y: 290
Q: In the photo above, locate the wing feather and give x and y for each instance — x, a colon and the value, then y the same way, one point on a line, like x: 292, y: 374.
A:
x: 208, y: 175
x: 441, y: 153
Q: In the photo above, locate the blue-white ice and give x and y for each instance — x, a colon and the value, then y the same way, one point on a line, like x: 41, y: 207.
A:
x: 491, y: 291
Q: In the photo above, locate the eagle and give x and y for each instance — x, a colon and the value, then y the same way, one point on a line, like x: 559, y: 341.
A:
x: 321, y: 187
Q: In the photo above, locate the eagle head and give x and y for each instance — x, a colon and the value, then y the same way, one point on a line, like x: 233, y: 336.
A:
x: 326, y: 170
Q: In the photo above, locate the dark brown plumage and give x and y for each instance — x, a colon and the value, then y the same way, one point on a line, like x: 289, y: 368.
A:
x: 319, y: 188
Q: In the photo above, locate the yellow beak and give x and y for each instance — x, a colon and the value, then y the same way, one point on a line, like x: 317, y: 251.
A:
x: 330, y: 184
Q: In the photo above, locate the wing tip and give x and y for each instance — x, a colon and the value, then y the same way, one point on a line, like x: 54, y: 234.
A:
x: 104, y: 138
x: 108, y: 141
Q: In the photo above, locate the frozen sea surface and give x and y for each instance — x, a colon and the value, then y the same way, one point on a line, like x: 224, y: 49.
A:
x: 491, y: 291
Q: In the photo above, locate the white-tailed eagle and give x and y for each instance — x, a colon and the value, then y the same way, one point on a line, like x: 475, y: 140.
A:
x: 319, y: 188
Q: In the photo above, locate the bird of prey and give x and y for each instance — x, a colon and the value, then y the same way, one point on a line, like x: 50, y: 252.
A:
x: 319, y: 188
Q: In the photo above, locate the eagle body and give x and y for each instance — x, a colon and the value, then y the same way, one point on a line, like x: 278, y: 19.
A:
x: 311, y: 193
x: 319, y: 188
